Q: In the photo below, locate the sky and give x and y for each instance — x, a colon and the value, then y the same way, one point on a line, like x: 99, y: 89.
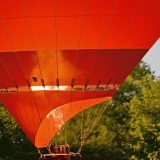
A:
x: 152, y: 58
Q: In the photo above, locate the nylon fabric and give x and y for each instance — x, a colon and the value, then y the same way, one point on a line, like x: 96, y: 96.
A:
x: 52, y: 49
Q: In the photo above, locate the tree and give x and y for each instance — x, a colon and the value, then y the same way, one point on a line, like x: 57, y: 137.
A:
x: 128, y: 129
x: 145, y: 112
x: 118, y: 134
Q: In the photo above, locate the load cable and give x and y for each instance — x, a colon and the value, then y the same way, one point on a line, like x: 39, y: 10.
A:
x: 42, y: 80
x: 103, y: 109
x: 76, y: 61
x: 18, y: 62
x: 91, y: 120
x: 93, y: 125
x: 114, y: 53
x: 18, y: 93
x: 92, y: 69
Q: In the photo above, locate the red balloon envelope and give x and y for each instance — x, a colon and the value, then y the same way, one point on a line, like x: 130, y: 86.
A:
x: 59, y: 57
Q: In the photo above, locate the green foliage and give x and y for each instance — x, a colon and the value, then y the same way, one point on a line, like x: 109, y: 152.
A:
x: 129, y: 129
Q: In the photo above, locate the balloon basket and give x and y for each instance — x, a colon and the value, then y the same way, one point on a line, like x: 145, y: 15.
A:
x: 60, y: 151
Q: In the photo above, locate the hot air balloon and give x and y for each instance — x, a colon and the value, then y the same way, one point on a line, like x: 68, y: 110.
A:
x: 59, y: 57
